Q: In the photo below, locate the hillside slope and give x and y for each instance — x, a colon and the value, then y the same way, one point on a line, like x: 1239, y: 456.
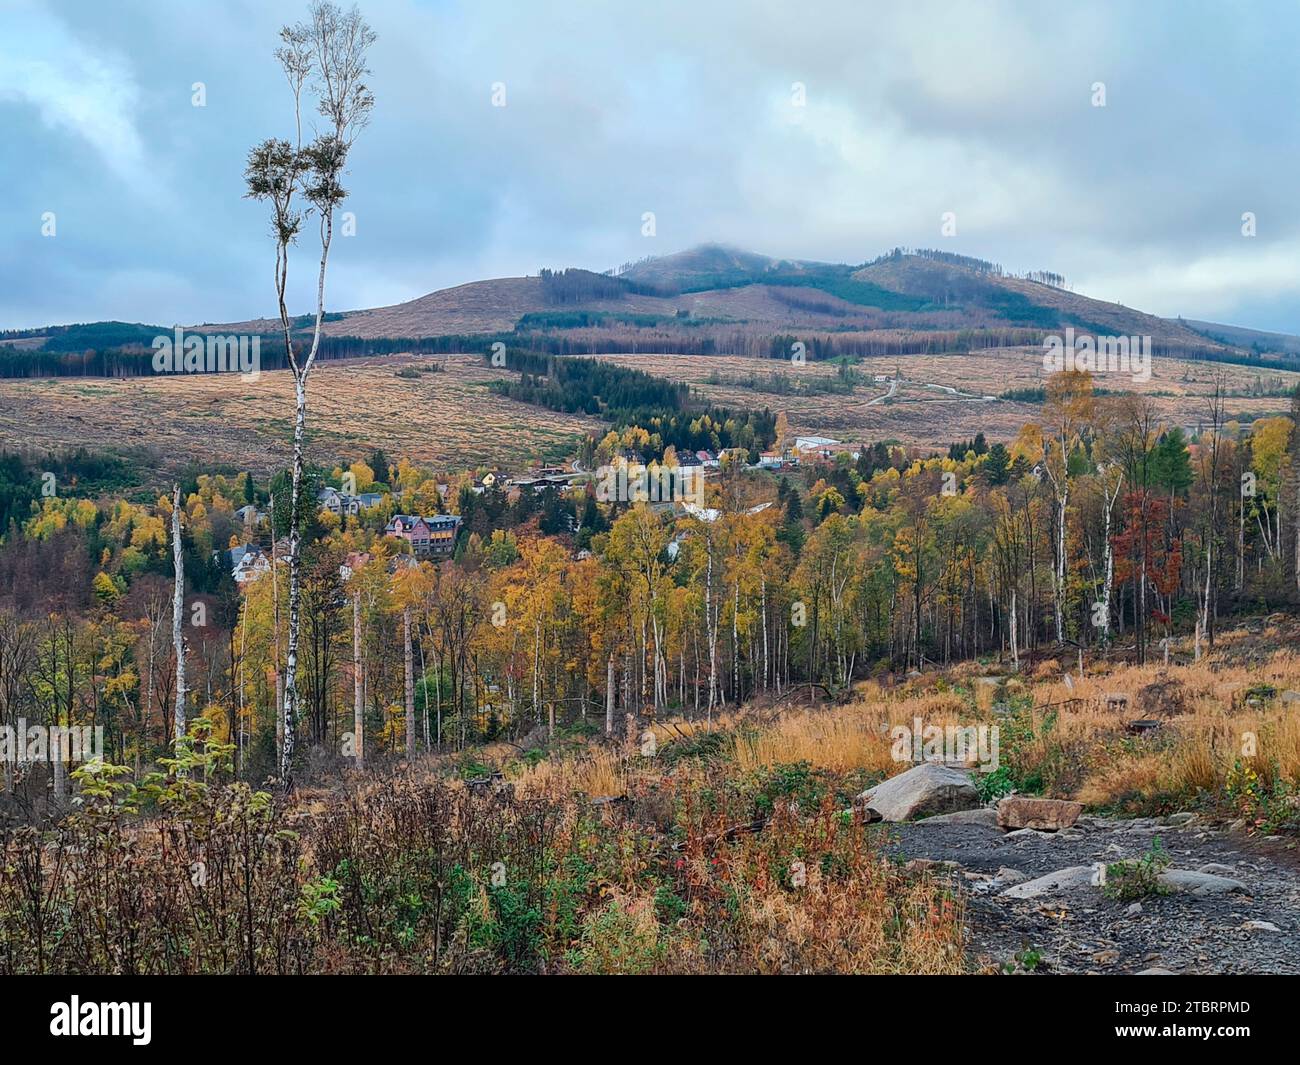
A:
x: 719, y: 300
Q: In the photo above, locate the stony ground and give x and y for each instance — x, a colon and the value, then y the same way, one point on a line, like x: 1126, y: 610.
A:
x: 1077, y: 929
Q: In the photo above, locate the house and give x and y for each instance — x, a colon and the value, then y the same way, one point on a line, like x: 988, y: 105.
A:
x: 814, y: 443
x: 816, y: 447
x: 771, y: 460
x: 431, y: 537
x: 331, y: 499
x: 709, y: 515
x: 354, y: 561
x: 246, y: 562
x: 250, y: 516
x: 541, y: 483
x: 341, y: 503
x: 707, y: 459
x: 487, y: 482
x: 443, y: 530
x: 686, y: 460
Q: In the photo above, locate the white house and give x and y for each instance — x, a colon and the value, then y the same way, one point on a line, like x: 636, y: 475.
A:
x: 247, y: 562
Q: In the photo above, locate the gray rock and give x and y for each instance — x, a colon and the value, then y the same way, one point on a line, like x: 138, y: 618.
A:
x: 1073, y: 878
x: 1155, y: 970
x: 1259, y: 926
x: 1134, y: 909
x: 922, y: 791
x: 1185, y: 880
x: 1216, y: 869
x: 986, y: 816
x: 1180, y: 819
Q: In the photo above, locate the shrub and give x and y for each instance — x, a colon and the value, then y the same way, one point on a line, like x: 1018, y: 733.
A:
x: 1136, y: 879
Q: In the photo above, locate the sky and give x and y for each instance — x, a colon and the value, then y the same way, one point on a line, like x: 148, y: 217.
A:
x: 813, y: 130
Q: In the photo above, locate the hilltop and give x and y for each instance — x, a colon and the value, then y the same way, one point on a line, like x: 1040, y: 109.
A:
x: 712, y: 299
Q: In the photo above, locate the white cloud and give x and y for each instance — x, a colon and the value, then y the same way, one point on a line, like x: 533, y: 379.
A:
x: 90, y: 95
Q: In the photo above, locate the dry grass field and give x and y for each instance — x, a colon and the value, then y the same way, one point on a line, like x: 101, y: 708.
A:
x: 931, y: 417
x: 448, y: 420
x: 1067, y: 735
x: 451, y: 421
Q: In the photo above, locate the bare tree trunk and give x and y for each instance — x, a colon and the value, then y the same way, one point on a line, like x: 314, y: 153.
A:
x: 178, y: 613
x: 358, y: 696
x: 537, y: 655
x: 410, y: 684
x: 295, y: 585
x: 609, y: 695
x: 712, y: 634
x: 1015, y: 646
x: 1058, y: 585
x: 1108, y: 584
x: 1241, y: 540
x: 243, y: 645
x: 275, y: 602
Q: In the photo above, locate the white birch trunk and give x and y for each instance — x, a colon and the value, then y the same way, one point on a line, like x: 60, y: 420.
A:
x: 178, y: 615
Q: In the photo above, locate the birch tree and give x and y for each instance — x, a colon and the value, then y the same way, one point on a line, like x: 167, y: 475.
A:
x: 326, y: 55
x: 178, y: 615
x: 1066, y: 410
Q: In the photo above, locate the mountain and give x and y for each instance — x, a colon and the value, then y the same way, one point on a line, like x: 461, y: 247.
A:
x: 718, y: 299
x: 1253, y: 339
x: 717, y: 291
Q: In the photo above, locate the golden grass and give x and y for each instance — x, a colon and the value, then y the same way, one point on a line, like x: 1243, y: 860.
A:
x: 1071, y: 733
x: 449, y: 420
x: 1068, y: 735
x: 925, y: 417
x: 596, y: 771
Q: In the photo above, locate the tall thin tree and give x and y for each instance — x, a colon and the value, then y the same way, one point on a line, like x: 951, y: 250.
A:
x: 178, y: 615
x: 327, y: 53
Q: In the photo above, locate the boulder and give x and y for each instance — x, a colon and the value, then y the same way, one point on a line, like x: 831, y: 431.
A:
x: 1259, y: 926
x: 1045, y: 815
x: 931, y: 788
x: 1185, y: 880
x: 1291, y: 697
x: 1073, y: 878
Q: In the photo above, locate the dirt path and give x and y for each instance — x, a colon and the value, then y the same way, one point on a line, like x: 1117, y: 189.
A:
x: 1080, y: 930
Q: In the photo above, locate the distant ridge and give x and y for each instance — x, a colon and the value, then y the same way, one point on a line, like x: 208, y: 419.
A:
x: 709, y: 299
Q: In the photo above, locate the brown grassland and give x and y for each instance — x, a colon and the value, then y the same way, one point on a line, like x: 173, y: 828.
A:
x: 452, y: 421
x: 932, y: 418
x: 449, y: 420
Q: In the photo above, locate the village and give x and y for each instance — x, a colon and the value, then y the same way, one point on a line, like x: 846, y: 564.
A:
x: 434, y: 537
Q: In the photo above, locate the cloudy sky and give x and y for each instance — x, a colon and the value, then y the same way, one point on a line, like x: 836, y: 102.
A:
x: 686, y: 108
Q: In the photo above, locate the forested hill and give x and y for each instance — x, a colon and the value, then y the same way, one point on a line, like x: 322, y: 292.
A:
x: 707, y: 300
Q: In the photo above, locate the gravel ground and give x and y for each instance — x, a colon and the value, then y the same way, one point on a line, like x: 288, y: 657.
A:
x: 1080, y: 930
